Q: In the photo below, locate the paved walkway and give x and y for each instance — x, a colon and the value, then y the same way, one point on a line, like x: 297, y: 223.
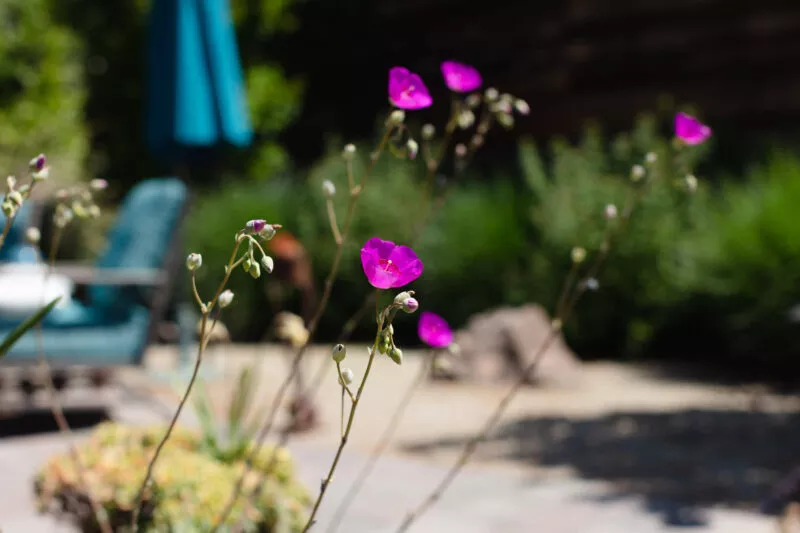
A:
x: 616, y: 455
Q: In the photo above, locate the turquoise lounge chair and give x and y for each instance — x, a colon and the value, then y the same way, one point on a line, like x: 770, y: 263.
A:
x: 129, y: 286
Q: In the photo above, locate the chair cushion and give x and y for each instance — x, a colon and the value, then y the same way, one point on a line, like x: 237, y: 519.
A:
x: 23, y: 290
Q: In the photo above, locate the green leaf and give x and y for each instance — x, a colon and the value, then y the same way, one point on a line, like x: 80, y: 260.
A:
x: 30, y: 322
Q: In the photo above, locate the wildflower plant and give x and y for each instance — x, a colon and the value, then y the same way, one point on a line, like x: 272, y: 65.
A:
x: 387, y: 266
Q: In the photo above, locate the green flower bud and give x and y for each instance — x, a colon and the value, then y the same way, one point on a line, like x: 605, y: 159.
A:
x: 396, y: 355
x: 339, y: 353
x: 194, y: 261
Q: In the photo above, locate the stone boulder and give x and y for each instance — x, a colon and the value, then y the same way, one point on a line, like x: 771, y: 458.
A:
x: 497, y: 345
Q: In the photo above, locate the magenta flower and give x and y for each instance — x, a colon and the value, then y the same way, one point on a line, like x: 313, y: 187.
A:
x: 387, y: 265
x: 461, y: 78
x: 434, y: 330
x: 407, y: 90
x: 690, y: 130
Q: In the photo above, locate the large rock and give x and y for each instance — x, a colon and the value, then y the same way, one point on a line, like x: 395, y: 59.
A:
x: 498, y: 345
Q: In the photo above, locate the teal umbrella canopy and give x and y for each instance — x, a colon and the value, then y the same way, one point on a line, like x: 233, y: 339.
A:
x: 196, y: 96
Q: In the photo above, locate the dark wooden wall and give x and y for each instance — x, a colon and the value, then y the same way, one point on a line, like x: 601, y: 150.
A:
x: 737, y: 60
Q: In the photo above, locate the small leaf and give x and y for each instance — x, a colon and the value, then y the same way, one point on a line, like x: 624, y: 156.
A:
x: 23, y: 328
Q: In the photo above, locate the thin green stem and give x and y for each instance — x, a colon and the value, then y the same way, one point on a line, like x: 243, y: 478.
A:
x: 202, y: 342
x: 383, y: 444
x: 55, y: 405
x: 312, y: 328
x: 337, y: 236
x: 346, y: 435
x: 524, y: 378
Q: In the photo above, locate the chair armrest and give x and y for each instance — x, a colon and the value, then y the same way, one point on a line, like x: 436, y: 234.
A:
x: 83, y: 274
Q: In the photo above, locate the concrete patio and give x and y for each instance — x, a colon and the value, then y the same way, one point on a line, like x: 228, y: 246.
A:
x: 623, y: 451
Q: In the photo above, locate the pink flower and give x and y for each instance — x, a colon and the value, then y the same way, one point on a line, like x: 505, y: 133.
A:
x: 690, y: 130
x: 387, y: 265
x: 461, y: 78
x: 434, y: 331
x: 407, y: 90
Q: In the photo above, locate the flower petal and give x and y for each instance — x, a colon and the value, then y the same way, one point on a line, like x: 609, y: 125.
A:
x: 409, y: 265
x: 434, y: 330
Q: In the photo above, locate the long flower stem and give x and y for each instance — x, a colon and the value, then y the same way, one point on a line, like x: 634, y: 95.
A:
x: 345, y: 436
x: 383, y: 443
x: 101, y: 517
x: 202, y: 342
x: 571, y: 297
x: 312, y: 328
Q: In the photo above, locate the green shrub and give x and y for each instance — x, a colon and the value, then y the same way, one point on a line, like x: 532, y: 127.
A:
x: 471, y: 248
x: 747, y: 252
x: 190, y: 488
x: 641, y: 279
x: 41, y: 91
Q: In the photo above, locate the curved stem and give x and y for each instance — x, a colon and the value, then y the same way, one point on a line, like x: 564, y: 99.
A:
x: 343, y: 441
x: 524, y: 378
x: 203, y: 341
x: 312, y: 328
x: 380, y: 448
x: 337, y: 237
x: 55, y: 405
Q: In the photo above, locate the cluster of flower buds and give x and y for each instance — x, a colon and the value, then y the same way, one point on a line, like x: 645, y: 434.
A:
x: 17, y: 193
x: 254, y: 231
x: 77, y: 202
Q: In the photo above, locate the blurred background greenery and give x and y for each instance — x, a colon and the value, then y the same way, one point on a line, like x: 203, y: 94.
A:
x: 712, y: 276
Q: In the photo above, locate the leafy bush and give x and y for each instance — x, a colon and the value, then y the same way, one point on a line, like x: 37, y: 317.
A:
x: 747, y: 282
x: 641, y: 279
x: 41, y: 91
x: 471, y: 248
x: 190, y: 488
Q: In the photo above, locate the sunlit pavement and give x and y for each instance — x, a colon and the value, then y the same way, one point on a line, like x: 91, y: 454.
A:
x: 495, y: 495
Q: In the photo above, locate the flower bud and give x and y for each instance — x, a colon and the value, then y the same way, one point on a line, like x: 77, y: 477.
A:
x: 461, y: 150
x: 349, y: 152
x: 396, y: 355
x: 651, y: 158
x: 578, y: 255
x: 397, y: 117
x: 268, y: 263
x: 256, y: 226
x: 406, y: 301
x: 11, y: 182
x: 33, y: 235
x: 466, y: 119
x: 37, y: 164
x: 428, y: 131
x: 339, y: 353
x: 246, y: 265
x: 610, y: 212
x: 98, y: 184
x: 9, y: 209
x: 413, y: 148
x: 591, y: 284
x: 94, y: 211
x: 347, y: 377
x: 255, y: 270
x: 15, y: 197
x: 491, y: 94
x: 473, y: 100
x: 328, y: 189
x: 41, y: 175
x: 225, y: 298
x: 194, y: 261
x: 506, y: 120
x: 522, y: 106
x: 637, y: 172
x: 691, y: 183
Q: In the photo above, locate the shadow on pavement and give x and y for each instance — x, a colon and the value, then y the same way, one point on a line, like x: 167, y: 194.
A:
x: 679, y: 462
x: 39, y: 421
